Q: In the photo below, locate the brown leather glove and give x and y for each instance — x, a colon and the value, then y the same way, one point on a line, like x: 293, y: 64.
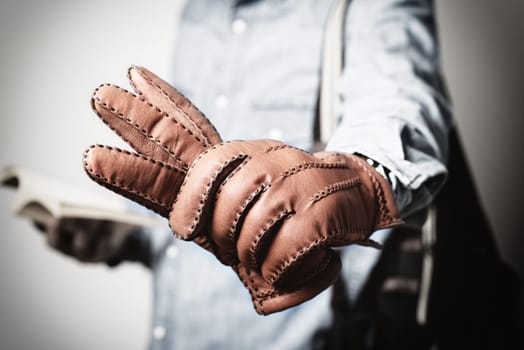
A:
x: 269, y: 210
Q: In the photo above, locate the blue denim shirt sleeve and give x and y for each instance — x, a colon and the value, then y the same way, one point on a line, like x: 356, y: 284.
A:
x: 394, y: 107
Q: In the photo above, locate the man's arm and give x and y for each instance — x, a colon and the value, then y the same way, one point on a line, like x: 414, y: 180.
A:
x: 394, y: 107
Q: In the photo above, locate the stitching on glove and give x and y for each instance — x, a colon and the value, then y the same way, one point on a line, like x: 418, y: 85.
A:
x: 326, y: 260
x: 251, y: 287
x: 136, y: 126
x: 331, y: 238
x: 256, y: 299
x: 141, y: 156
x: 284, y: 146
x: 383, y: 209
x: 169, y: 98
x: 275, y: 148
x: 331, y: 155
x: 236, y: 170
x: 195, y: 162
x: 308, y: 165
x: 260, y: 297
x: 106, y: 182
x: 253, y: 250
x: 143, y: 131
x: 336, y: 187
x: 262, y: 188
x: 268, y: 294
x: 292, y: 259
x: 207, y: 192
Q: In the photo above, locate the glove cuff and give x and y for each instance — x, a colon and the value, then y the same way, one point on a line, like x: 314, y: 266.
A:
x: 378, y: 192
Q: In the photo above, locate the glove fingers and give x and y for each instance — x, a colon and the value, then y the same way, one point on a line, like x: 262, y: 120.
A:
x: 298, y: 183
x: 268, y: 299
x: 148, y: 182
x: 261, y: 225
x: 286, y: 248
x: 193, y: 206
x: 168, y: 99
x: 318, y: 225
x: 239, y: 193
x: 148, y: 129
x: 229, y: 213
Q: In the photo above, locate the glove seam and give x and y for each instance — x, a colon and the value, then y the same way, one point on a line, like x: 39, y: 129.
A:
x: 263, y: 187
x: 163, y: 114
x: 195, y: 162
x: 317, y: 243
x: 309, y: 165
x: 232, y: 173
x: 165, y: 94
x: 335, y: 187
x: 283, y: 214
x: 279, y: 147
x: 108, y: 182
x: 205, y: 194
x: 134, y: 125
x: 383, y: 212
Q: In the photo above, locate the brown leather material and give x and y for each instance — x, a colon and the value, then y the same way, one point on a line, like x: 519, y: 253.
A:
x: 275, y: 210
x: 269, y: 210
x: 135, y: 176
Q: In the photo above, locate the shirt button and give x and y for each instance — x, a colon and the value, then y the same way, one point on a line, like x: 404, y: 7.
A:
x: 276, y: 134
x: 159, y: 332
x: 221, y: 101
x: 172, y: 251
x: 239, y: 26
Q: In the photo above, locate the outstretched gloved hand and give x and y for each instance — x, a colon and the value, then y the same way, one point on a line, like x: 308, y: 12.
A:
x: 270, y: 211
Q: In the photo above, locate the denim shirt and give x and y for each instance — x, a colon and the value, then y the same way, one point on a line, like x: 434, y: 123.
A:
x: 253, y: 68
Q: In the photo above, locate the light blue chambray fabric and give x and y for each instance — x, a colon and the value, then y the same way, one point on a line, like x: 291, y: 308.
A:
x: 253, y: 70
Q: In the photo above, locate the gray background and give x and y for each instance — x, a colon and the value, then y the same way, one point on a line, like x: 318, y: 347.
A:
x: 53, y: 53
